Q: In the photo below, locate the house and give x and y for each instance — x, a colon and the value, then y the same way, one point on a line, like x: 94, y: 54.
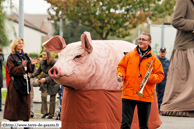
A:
x: 41, y: 22
x: 35, y: 33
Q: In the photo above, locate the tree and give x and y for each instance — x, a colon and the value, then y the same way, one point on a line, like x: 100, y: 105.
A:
x: 3, y: 37
x: 72, y: 31
x: 113, y: 17
x: 164, y: 9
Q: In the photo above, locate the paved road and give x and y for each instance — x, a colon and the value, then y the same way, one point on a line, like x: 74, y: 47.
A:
x: 168, y: 122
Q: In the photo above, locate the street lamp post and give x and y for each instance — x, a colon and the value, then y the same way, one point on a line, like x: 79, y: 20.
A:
x: 61, y: 27
x: 21, y: 18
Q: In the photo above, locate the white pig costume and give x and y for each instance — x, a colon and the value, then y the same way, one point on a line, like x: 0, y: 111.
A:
x: 88, y: 68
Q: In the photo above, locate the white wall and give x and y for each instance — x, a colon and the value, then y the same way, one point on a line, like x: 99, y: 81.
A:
x: 169, y: 37
x: 32, y: 37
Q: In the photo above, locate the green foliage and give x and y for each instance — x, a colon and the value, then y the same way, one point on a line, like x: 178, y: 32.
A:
x: 115, y: 17
x: 3, y: 37
x: 164, y: 9
x: 36, y: 66
x: 155, y: 49
x: 4, y: 72
x: 4, y: 94
x: 54, y: 54
x: 73, y: 30
x: 32, y: 55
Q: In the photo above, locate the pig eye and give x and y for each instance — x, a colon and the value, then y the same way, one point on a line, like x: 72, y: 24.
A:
x: 78, y: 56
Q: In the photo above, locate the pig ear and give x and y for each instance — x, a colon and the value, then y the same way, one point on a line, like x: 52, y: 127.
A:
x: 86, y: 42
x: 55, y: 44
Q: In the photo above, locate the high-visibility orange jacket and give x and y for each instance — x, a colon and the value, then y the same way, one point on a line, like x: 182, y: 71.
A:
x: 130, y: 68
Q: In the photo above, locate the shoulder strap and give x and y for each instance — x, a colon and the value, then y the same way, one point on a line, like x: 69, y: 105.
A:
x: 27, y: 58
x: 17, y: 59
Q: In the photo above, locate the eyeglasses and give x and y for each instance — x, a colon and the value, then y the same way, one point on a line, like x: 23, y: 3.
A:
x: 142, y: 39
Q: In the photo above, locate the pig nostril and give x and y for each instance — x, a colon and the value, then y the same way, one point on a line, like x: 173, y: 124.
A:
x: 56, y: 72
x: 52, y: 71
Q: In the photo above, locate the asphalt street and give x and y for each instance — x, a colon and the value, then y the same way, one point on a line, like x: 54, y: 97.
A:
x: 168, y: 122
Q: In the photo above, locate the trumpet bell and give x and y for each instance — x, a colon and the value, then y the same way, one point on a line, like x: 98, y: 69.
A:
x: 140, y: 94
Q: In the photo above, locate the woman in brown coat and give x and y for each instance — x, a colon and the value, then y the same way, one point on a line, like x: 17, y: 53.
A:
x: 17, y: 104
x: 48, y: 85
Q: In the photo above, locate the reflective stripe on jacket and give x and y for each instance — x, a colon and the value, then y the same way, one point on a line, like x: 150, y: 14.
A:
x: 129, y: 69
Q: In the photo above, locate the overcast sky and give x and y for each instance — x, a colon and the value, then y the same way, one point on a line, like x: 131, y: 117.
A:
x: 30, y: 6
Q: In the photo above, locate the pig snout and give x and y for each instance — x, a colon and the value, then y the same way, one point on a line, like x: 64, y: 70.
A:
x: 54, y: 72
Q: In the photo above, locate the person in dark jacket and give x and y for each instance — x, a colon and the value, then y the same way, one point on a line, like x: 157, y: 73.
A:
x: 1, y: 76
x: 48, y: 85
x: 17, y: 104
x: 160, y: 87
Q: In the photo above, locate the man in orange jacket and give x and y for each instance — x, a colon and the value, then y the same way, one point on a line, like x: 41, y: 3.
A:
x: 131, y: 70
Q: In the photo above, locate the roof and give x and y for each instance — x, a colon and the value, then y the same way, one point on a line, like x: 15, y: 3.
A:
x: 14, y: 17
x: 36, y: 19
x: 40, y: 20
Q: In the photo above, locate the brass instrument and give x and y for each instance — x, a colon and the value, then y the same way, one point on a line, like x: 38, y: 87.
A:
x: 145, y: 79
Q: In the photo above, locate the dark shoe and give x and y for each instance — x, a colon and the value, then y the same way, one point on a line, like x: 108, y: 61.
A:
x: 31, y: 114
x: 49, y: 117
x: 43, y: 116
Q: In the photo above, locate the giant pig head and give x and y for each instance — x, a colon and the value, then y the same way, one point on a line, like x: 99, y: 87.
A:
x: 85, y: 65
x: 72, y: 67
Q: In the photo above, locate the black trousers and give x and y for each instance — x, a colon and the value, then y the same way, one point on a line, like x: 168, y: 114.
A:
x: 128, y: 107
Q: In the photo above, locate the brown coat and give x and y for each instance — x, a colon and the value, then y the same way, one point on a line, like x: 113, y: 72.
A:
x: 17, y: 106
x: 183, y: 21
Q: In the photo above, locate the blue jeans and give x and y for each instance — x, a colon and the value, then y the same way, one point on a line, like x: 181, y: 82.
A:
x: 0, y: 99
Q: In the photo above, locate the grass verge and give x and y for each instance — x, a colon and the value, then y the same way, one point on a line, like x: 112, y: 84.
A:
x: 4, y: 95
